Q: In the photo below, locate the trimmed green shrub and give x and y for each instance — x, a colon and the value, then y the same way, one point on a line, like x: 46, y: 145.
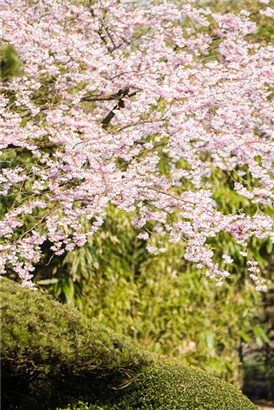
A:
x: 173, y: 387
x: 50, y: 349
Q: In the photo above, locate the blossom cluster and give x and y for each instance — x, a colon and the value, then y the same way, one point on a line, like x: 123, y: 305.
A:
x: 109, y: 90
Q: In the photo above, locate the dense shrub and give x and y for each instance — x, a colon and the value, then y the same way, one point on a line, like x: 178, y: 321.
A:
x: 170, y: 387
x: 174, y: 387
x: 49, y: 349
x: 52, y: 355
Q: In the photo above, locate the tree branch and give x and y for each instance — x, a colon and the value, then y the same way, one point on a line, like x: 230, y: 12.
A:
x: 121, y: 104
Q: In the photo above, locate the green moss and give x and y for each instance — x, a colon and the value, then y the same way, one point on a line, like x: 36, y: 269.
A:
x: 47, y: 348
x: 173, y: 387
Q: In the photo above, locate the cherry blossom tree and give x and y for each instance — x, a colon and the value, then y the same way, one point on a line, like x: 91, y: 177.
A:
x: 112, y: 90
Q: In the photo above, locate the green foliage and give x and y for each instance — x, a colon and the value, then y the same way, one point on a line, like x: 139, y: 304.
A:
x: 10, y: 63
x: 44, y: 343
x: 168, y: 387
x: 265, y: 31
x: 161, y: 300
x: 83, y: 406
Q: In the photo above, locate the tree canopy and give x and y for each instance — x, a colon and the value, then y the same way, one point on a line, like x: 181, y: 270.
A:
x: 135, y: 106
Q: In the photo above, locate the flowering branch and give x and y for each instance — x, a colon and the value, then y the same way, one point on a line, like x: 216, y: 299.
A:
x: 194, y: 99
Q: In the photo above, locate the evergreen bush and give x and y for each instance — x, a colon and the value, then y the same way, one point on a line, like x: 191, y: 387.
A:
x: 166, y: 386
x: 173, y: 387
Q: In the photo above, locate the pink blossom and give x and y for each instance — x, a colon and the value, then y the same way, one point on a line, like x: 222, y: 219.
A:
x: 119, y: 106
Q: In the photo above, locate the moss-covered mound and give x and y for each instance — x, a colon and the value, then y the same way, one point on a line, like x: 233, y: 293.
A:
x: 172, y: 387
x: 50, y: 349
x: 51, y: 356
